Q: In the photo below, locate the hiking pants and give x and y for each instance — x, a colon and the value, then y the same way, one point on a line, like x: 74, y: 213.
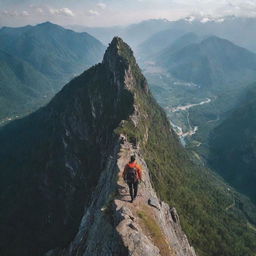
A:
x: 133, y: 189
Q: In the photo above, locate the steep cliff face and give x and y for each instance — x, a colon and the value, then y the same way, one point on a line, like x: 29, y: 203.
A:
x: 52, y: 159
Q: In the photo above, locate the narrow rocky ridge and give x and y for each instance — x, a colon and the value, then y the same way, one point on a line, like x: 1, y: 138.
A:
x: 112, y: 225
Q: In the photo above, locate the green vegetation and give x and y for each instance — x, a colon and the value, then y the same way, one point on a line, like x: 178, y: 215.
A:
x: 199, y: 196
x: 22, y: 86
x: 233, y: 146
x: 212, y: 62
x: 35, y: 62
x: 211, y: 65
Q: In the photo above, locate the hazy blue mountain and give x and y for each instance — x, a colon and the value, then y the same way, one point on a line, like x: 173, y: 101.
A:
x: 37, y: 60
x: 239, y: 30
x: 104, y: 34
x: 233, y: 146
x: 175, y: 46
x: 52, y: 160
x: 21, y: 85
x: 137, y: 33
x: 158, y: 42
x: 213, y: 62
x: 134, y: 34
x: 51, y: 49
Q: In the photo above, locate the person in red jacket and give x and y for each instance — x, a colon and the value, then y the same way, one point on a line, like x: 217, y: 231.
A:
x: 132, y: 174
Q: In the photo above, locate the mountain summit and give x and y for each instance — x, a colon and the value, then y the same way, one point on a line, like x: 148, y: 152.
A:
x: 60, y: 176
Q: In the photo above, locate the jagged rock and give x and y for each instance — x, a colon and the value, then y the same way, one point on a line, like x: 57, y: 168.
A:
x: 154, y: 203
x: 175, y: 216
x: 132, y: 226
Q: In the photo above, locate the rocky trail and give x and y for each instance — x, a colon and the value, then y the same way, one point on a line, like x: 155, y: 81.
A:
x: 149, y: 226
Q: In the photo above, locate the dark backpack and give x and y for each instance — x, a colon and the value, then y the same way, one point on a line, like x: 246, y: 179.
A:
x: 131, y: 175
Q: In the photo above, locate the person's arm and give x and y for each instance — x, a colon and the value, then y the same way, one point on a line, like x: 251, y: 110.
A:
x: 139, y: 171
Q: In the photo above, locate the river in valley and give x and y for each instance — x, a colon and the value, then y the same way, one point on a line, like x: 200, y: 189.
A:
x: 191, y: 130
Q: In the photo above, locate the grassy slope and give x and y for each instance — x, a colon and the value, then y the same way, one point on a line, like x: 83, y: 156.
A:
x: 237, y: 154
x: 200, y: 197
x: 21, y: 86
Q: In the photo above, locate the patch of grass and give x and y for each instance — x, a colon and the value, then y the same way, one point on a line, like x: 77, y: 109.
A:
x: 156, y: 234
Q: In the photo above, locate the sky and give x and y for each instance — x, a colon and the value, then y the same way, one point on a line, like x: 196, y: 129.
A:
x: 115, y: 12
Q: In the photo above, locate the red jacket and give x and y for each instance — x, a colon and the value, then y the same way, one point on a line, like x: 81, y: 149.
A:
x: 136, y: 166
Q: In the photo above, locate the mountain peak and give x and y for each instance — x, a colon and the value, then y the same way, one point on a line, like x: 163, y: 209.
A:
x: 119, y: 59
x: 48, y: 25
x: 118, y: 49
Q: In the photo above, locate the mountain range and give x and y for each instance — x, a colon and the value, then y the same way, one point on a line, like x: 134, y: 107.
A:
x: 239, y: 30
x: 211, y: 62
x: 202, y: 77
x: 46, y: 53
x: 53, y: 160
x: 134, y: 34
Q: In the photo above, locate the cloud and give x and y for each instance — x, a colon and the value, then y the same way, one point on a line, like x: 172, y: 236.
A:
x: 62, y: 12
x: 93, y: 13
x: 9, y: 13
x: 101, y: 6
x: 25, y: 13
x: 39, y: 10
x: 118, y: 12
x: 15, y: 13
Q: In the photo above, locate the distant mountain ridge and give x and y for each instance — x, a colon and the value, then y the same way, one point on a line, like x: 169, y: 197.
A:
x: 51, y: 49
x: 239, y: 30
x: 48, y: 53
x: 212, y: 62
x: 134, y: 34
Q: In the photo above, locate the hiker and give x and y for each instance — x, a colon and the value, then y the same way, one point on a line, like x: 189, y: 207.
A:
x: 132, y: 175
